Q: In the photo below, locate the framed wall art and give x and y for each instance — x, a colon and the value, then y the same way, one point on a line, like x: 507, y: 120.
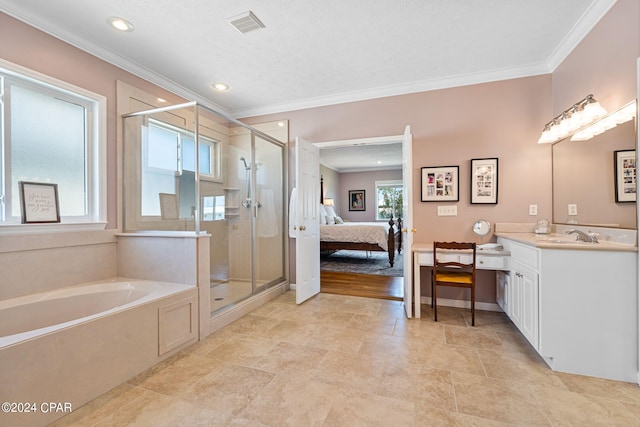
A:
x: 357, y: 200
x: 625, y: 175
x: 484, y: 181
x: 39, y: 202
x: 440, y: 184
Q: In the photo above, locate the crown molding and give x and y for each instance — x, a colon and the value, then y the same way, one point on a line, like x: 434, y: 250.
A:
x: 395, y: 90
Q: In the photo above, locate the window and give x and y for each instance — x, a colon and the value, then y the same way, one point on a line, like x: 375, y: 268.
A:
x: 169, y: 159
x: 388, y: 199
x: 51, y: 132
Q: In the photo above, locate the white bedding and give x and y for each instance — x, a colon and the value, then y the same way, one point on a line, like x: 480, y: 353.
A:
x: 356, y: 232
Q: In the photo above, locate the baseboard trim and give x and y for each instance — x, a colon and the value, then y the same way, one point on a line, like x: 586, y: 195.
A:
x: 486, y: 306
x: 244, y: 307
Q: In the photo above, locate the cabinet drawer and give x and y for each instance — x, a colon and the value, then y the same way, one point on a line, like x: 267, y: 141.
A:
x: 525, y: 255
x: 492, y: 262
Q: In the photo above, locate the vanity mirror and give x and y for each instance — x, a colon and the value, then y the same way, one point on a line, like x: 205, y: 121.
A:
x: 584, y: 180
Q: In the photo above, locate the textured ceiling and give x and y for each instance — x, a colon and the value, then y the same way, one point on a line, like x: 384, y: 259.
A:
x: 319, y: 52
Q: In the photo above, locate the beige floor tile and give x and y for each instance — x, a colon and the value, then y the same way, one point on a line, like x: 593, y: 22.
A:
x: 609, y: 389
x: 493, y: 320
x: 153, y: 409
x: 398, y: 348
x: 428, y: 415
x: 408, y: 382
x: 356, y: 408
x: 421, y: 330
x: 361, y: 372
x: 292, y: 401
x: 345, y: 340
x: 252, y: 325
x: 242, y: 349
x: 472, y: 337
x: 499, y: 400
x: 568, y: 408
x: 444, y: 356
x: 227, y: 391
x: 105, y: 405
x: 291, y: 359
x: 372, y: 324
x: 446, y: 315
x: 501, y: 365
x: 291, y: 332
x: 175, y: 373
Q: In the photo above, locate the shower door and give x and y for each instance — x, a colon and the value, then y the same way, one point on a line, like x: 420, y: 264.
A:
x: 254, y: 218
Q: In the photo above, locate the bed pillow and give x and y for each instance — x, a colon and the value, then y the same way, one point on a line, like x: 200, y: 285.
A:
x: 338, y: 220
x: 330, y: 211
x: 322, y: 215
x: 331, y: 220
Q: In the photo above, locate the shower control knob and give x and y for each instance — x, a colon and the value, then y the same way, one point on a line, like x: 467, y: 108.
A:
x: 302, y: 228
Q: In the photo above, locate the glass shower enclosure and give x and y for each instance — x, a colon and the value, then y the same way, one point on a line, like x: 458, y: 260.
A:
x: 187, y: 168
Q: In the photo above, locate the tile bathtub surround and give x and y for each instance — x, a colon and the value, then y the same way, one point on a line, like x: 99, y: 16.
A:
x: 339, y: 360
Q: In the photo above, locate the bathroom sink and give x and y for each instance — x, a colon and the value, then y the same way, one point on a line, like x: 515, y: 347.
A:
x: 567, y: 242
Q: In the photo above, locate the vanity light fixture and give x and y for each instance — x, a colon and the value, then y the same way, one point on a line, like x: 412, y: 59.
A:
x: 120, y: 24
x: 581, y: 114
x: 621, y: 115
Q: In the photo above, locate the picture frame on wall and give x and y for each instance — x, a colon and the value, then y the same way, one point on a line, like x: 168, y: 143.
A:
x: 440, y: 184
x: 357, y: 201
x: 39, y: 202
x: 625, y: 175
x: 484, y: 181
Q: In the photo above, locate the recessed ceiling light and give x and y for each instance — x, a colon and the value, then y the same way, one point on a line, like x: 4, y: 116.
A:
x: 162, y: 100
x: 120, y: 24
x: 379, y: 162
x: 220, y: 86
x: 281, y: 124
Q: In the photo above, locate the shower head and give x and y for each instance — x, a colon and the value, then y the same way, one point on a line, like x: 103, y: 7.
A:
x: 243, y: 160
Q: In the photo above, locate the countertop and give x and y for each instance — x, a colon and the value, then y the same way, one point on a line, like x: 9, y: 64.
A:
x: 565, y: 241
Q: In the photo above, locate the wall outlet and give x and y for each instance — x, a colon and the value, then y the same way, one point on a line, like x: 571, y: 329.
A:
x: 572, y: 209
x: 533, y: 210
x: 447, y: 210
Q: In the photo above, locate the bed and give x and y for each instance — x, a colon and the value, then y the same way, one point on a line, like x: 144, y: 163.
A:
x: 336, y: 234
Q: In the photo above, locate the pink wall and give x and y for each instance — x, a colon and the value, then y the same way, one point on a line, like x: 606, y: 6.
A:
x: 31, y: 48
x: 604, y: 63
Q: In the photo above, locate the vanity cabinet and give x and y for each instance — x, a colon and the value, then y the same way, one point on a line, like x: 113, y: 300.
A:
x: 503, y: 285
x: 522, y: 290
x: 577, y: 307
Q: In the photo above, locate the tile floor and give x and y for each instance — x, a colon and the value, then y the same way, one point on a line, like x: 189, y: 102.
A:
x: 348, y: 361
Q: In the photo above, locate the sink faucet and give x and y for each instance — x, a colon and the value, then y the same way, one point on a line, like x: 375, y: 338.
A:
x: 581, y: 236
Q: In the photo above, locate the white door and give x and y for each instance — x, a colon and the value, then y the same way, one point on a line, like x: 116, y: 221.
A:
x: 407, y: 211
x: 308, y: 225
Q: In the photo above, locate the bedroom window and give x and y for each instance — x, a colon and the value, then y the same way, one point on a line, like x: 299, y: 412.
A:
x: 388, y: 199
x: 51, y: 132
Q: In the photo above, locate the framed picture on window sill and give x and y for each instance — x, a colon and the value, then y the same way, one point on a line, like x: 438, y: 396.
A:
x: 39, y: 202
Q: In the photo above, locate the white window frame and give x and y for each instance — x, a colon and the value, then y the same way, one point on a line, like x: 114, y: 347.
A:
x: 96, y: 157
x: 385, y: 184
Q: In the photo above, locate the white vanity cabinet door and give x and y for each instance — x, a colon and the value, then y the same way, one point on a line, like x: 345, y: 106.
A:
x: 529, y: 290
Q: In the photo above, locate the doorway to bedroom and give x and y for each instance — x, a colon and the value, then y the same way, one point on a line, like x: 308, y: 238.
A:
x: 361, y: 187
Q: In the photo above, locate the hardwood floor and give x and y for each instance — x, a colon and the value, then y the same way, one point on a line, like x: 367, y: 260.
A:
x: 361, y: 285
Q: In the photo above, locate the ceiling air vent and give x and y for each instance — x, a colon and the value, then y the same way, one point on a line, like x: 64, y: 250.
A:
x: 246, y: 22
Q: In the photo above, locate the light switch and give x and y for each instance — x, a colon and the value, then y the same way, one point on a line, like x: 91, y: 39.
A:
x: 572, y: 209
x: 533, y: 210
x: 447, y: 210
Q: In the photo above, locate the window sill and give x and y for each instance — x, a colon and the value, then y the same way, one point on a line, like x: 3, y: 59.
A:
x: 58, y: 227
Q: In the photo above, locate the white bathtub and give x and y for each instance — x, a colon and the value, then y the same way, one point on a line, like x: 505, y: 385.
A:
x: 30, y: 316
x: 73, y: 344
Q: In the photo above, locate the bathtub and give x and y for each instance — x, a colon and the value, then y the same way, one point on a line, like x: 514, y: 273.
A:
x: 73, y: 344
x: 33, y: 315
